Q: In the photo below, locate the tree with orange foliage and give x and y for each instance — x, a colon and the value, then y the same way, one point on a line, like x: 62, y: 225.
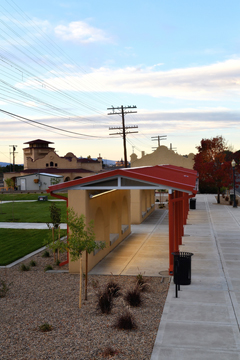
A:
x: 211, y: 164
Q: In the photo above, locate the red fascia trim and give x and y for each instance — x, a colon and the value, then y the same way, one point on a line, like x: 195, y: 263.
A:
x: 58, y: 196
x: 160, y: 181
x: 86, y: 180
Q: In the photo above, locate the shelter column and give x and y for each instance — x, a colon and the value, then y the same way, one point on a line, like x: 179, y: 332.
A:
x: 171, y: 230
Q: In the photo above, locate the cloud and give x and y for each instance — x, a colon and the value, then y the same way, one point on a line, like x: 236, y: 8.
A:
x: 184, y: 127
x: 80, y: 31
x: 215, y: 82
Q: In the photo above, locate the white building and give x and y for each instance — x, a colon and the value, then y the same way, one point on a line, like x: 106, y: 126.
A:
x: 37, y: 181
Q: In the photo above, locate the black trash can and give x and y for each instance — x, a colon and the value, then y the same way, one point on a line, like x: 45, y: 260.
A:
x: 193, y: 203
x: 42, y: 198
x: 182, y: 268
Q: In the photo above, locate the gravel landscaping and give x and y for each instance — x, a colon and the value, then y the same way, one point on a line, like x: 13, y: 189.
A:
x: 36, y: 297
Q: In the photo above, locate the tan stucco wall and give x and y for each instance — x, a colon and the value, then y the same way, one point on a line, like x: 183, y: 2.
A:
x: 34, y: 153
x: 111, y: 214
x: 162, y: 155
x: 142, y: 205
x: 61, y: 162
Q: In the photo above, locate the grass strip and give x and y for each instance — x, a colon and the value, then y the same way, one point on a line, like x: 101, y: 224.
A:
x: 16, y: 243
x: 32, y: 212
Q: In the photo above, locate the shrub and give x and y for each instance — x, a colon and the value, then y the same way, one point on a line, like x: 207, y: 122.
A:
x: 141, y: 283
x: 157, y: 200
x: 125, y: 321
x: 32, y: 263
x: 140, y: 279
x: 58, y: 262
x: 24, y: 267
x: 45, y: 327
x: 95, y: 283
x: 113, y: 289
x: 133, y: 297
x: 109, y: 352
x: 4, y: 288
x: 46, y: 254
x: 105, y: 301
x: 48, y: 267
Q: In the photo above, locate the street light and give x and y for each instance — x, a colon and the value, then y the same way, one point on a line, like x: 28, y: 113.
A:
x: 234, y: 196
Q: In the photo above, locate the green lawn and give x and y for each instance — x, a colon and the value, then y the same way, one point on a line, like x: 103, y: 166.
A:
x: 13, y: 196
x: 16, y: 243
x: 30, y: 211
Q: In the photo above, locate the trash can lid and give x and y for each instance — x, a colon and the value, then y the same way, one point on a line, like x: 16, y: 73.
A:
x: 182, y: 254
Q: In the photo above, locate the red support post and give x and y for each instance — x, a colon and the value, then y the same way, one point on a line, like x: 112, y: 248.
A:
x: 181, y: 218
x: 171, y: 231
x: 176, y: 229
x: 185, y: 209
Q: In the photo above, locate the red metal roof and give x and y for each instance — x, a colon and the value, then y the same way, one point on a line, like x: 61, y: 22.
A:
x: 158, y: 176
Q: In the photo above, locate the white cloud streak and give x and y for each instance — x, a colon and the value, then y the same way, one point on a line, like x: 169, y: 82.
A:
x: 81, y: 32
x: 213, y: 82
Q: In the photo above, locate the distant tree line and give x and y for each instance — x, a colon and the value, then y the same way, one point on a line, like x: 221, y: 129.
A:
x: 9, y: 168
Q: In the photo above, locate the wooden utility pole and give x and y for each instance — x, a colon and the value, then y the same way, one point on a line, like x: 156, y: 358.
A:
x: 171, y: 148
x: 158, y: 138
x: 121, y: 111
x: 13, y: 152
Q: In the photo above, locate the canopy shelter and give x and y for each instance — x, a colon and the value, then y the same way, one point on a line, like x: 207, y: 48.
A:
x: 180, y: 183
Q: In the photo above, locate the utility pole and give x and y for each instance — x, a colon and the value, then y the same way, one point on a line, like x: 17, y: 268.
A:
x: 121, y: 111
x: 158, y: 138
x: 13, y: 152
x: 171, y: 148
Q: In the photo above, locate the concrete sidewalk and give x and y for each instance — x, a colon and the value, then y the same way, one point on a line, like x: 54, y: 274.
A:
x: 144, y: 251
x: 203, y: 323
x: 18, y: 225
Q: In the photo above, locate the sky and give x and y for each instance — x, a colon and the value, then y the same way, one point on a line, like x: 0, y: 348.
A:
x: 63, y: 65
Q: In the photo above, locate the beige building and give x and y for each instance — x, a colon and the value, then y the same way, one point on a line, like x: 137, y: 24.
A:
x: 163, y: 155
x: 39, y: 157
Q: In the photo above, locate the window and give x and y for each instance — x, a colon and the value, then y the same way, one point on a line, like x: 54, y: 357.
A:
x: 55, y: 164
x: 51, y: 163
x: 46, y: 165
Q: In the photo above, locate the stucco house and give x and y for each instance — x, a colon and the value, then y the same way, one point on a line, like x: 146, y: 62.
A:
x: 163, y: 155
x: 39, y: 157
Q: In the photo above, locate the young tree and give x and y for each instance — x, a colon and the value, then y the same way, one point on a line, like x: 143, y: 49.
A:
x: 80, y: 239
x: 211, y: 164
x: 53, y: 241
x: 10, y: 183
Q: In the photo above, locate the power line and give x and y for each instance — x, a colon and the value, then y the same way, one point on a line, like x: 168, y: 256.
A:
x: 49, y: 126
